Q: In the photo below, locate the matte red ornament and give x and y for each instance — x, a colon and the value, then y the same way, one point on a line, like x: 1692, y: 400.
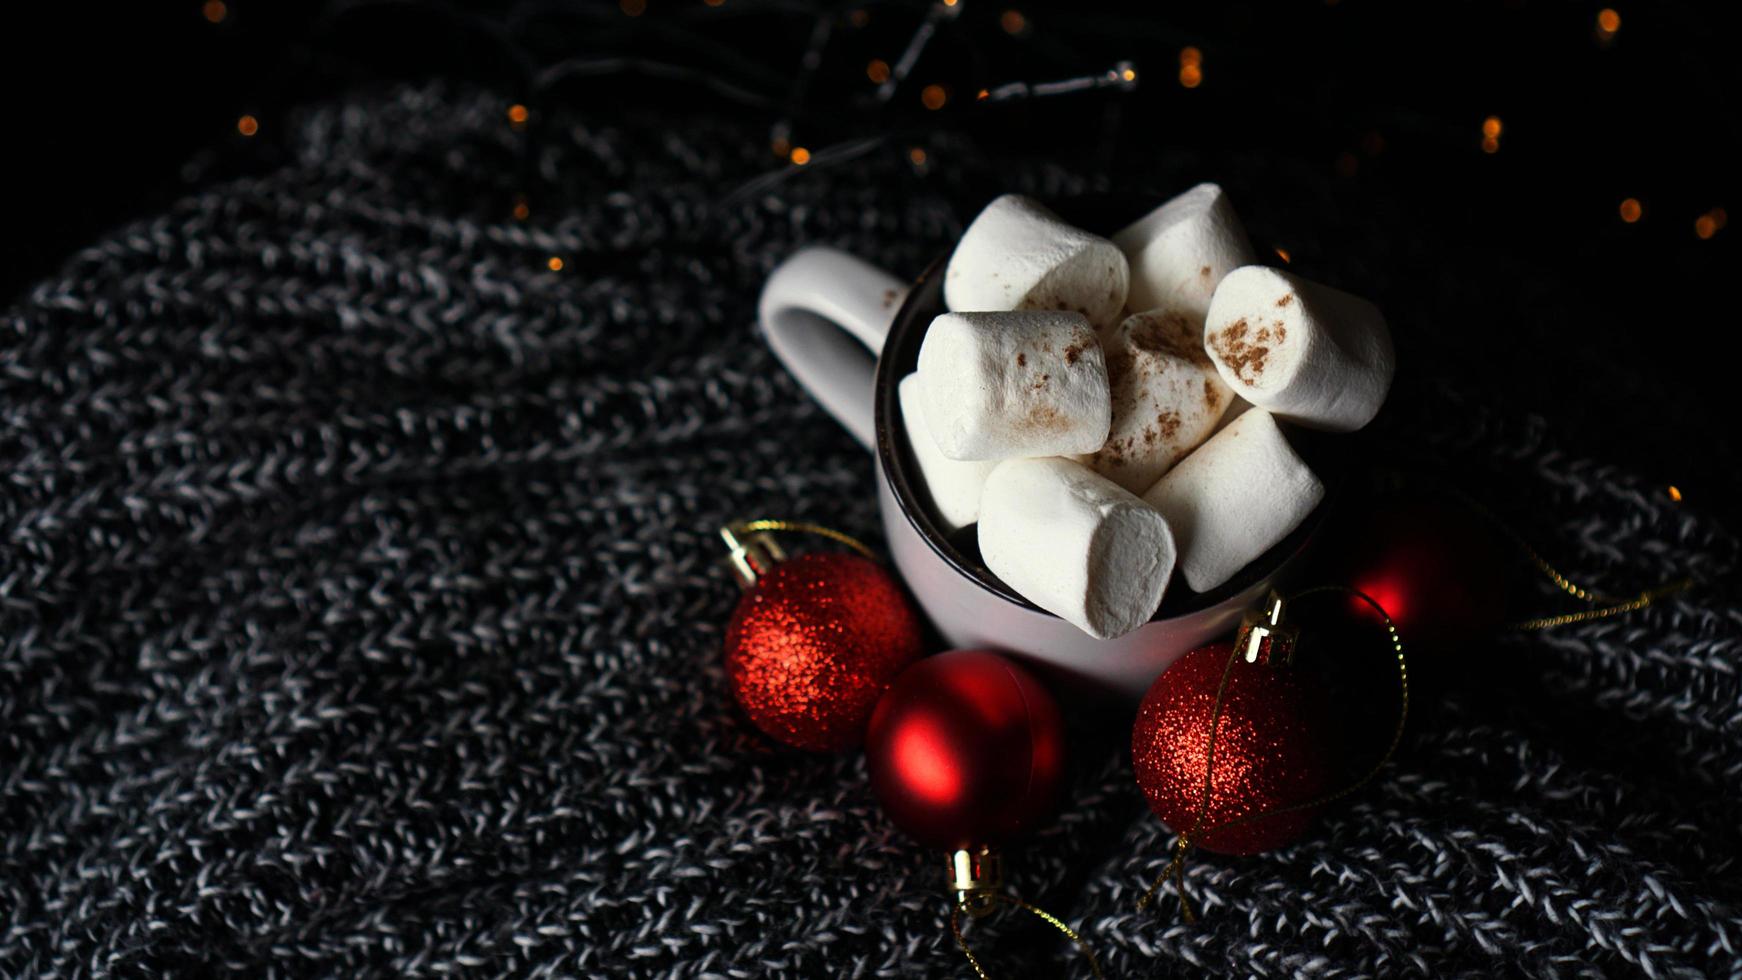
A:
x: 1435, y: 564
x: 814, y: 643
x: 966, y: 749
x: 1273, y: 749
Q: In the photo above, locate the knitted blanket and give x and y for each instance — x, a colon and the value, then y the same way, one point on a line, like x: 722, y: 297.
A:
x: 361, y: 610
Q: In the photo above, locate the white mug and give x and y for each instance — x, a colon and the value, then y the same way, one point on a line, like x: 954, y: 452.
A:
x: 849, y: 332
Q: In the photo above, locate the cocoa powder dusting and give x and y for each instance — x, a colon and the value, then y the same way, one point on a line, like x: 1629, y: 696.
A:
x: 1286, y: 299
x: 1170, y: 333
x: 1045, y: 418
x: 1073, y: 352
x: 1211, y: 395
x: 1246, y: 360
x: 1021, y: 360
x: 1169, y: 423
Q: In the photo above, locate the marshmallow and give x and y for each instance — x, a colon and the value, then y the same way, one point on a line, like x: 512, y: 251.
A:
x: 1018, y: 255
x: 1305, y: 352
x: 1237, y: 407
x: 1234, y: 498
x: 1181, y: 250
x: 1075, y: 544
x: 954, y: 485
x: 1167, y: 397
x: 998, y: 385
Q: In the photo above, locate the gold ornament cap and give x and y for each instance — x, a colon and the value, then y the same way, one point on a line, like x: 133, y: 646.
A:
x: 1264, y: 637
x: 750, y: 553
x: 976, y: 878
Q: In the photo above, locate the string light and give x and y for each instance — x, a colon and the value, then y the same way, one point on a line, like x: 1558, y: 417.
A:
x: 1013, y: 22
x: 633, y: 8
x: 1491, y: 134
x: 1631, y: 210
x: 1121, y: 76
x: 247, y: 125
x: 1675, y: 493
x: 554, y: 263
x: 800, y: 156
x: 522, y: 210
x: 917, y: 156
x: 933, y: 97
x: 780, y: 146
x: 215, y: 11
x: 1710, y: 223
x: 1191, y: 67
x: 1608, y: 22
x: 1282, y: 253
x: 877, y: 71
x: 922, y: 35
x: 983, y: 95
x: 517, y: 115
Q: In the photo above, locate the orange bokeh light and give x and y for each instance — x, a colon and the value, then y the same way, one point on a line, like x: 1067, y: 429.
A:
x: 247, y: 125
x: 1631, y: 210
x: 933, y: 97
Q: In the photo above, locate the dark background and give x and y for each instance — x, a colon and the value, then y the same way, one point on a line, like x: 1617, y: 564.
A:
x: 113, y: 113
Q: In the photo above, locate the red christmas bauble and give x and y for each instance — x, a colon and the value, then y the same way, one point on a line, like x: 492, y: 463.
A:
x: 965, y: 749
x: 814, y: 643
x: 1436, y: 565
x: 1273, y: 749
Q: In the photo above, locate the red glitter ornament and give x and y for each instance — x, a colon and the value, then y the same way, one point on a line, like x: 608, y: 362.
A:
x: 1272, y: 750
x: 966, y: 749
x: 813, y: 644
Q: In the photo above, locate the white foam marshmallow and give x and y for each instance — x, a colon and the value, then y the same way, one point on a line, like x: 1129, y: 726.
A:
x: 1235, y: 498
x: 954, y: 485
x: 1167, y: 396
x: 998, y: 385
x: 1017, y: 255
x: 1305, y: 352
x: 1180, y: 251
x: 1075, y: 544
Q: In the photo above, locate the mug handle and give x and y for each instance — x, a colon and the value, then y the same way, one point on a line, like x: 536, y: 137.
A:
x: 813, y: 309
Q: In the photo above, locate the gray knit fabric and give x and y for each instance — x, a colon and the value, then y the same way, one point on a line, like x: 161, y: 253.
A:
x: 360, y: 609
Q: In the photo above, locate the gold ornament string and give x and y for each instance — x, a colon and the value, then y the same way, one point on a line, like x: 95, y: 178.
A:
x: 1043, y: 914
x: 801, y: 527
x: 1611, y: 605
x: 1176, y: 867
x: 1607, y: 605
